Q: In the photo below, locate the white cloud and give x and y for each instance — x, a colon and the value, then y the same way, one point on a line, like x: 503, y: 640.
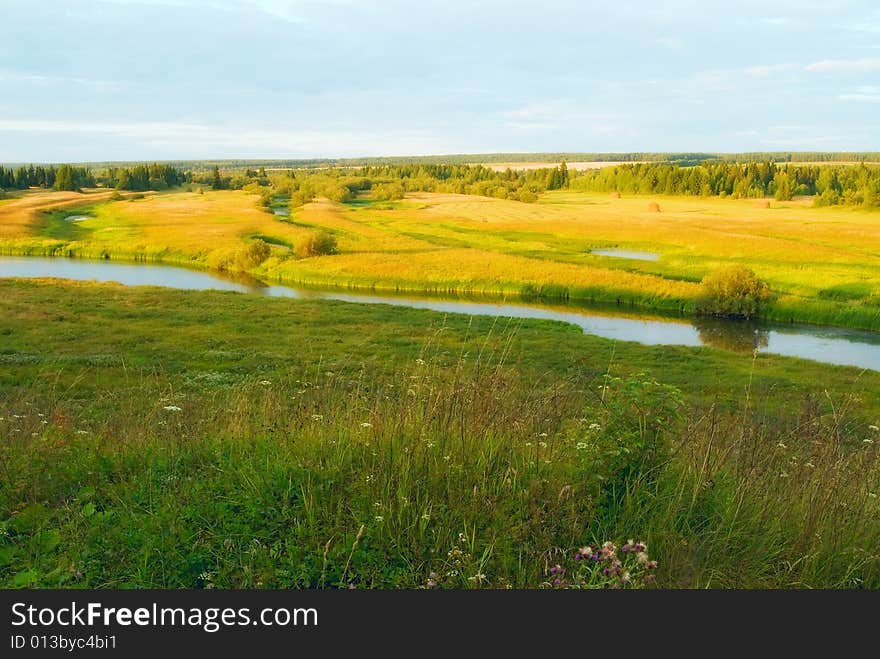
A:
x: 204, y: 138
x: 41, y: 79
x: 844, y: 65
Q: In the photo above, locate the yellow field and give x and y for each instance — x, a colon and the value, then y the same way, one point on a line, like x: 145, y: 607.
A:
x: 447, y: 242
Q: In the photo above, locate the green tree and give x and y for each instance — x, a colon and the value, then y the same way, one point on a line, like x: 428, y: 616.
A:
x: 64, y: 178
x: 733, y: 291
x: 784, y: 190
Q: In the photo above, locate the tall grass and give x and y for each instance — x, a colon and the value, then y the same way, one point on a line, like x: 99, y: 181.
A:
x: 438, y: 474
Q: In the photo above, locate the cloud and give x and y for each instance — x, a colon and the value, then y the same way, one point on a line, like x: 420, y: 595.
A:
x: 50, y: 80
x: 204, y: 138
x: 844, y: 65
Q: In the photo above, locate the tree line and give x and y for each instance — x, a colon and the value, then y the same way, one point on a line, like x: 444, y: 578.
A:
x: 829, y: 184
x: 155, y: 176
x: 63, y: 177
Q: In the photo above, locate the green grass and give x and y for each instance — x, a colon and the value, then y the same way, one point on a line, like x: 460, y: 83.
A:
x: 324, y: 444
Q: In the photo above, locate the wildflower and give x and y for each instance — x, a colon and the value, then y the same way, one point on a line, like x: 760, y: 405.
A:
x: 625, y: 578
x: 317, y: 417
x: 172, y: 408
x: 557, y: 569
x: 581, y: 446
x: 265, y: 383
x: 542, y: 434
x: 366, y: 424
x: 643, y: 559
x: 873, y: 427
x: 420, y: 361
x: 595, y: 426
x: 867, y: 440
x: 781, y: 445
x: 82, y: 432
x: 379, y: 518
x: 426, y: 517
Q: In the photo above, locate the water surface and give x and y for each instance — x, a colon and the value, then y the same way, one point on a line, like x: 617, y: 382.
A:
x: 627, y: 254
x: 830, y: 345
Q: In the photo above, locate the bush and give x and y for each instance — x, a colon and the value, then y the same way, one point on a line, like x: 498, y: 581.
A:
x: 734, y: 292
x: 255, y: 253
x: 388, y: 192
x: 317, y: 244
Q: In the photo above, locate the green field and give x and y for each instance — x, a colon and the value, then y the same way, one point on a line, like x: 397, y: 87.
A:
x: 161, y: 438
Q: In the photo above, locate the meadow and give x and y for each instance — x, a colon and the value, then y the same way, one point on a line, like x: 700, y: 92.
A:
x: 182, y: 439
x: 168, y: 439
x: 821, y: 264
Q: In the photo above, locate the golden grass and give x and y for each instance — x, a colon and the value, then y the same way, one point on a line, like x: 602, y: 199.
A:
x: 467, y: 243
x: 20, y: 215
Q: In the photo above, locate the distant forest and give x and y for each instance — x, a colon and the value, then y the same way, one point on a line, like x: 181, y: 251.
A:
x: 798, y: 175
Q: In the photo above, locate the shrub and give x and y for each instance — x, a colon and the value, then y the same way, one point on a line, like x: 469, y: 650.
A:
x: 733, y: 291
x: 527, y: 197
x: 388, y: 192
x: 339, y: 194
x: 317, y: 244
x: 255, y: 253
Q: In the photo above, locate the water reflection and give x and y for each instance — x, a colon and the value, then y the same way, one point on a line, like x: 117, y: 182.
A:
x: 737, y: 336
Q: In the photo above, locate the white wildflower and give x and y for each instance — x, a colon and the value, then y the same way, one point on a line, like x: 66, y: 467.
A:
x: 172, y: 408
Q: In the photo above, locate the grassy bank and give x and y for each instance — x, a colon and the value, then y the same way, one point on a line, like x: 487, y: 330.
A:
x: 201, y: 439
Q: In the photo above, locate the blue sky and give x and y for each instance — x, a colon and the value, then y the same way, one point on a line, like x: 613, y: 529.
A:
x: 165, y: 79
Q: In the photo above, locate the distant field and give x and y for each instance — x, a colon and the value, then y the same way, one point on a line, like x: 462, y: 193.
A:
x: 577, y: 165
x: 823, y: 264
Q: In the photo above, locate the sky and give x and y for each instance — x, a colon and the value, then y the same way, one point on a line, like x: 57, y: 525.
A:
x: 97, y: 80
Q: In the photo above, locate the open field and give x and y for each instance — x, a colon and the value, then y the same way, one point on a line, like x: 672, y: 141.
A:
x: 822, y: 264
x: 206, y: 439
x: 576, y: 165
